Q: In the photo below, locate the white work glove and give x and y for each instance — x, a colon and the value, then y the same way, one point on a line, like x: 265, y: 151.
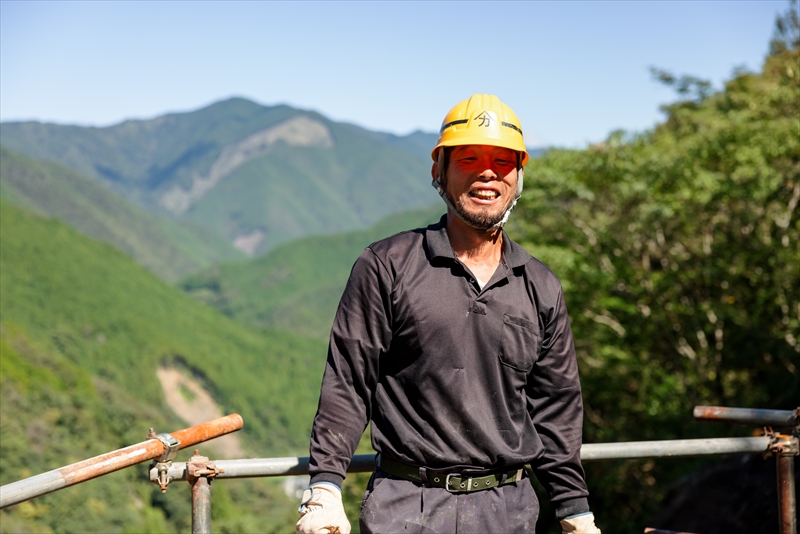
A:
x: 579, y: 524
x: 322, y: 512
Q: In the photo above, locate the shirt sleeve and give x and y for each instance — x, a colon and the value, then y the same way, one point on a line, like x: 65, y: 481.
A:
x: 556, y: 406
x: 361, y: 332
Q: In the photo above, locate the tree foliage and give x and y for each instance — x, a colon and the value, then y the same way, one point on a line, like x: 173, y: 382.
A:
x: 787, y: 31
x: 685, y: 85
x: 679, y: 251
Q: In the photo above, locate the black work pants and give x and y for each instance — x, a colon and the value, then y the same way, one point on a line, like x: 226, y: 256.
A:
x: 395, y: 505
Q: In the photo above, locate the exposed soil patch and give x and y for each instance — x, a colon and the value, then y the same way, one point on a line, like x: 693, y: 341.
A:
x: 193, y: 404
x: 248, y: 243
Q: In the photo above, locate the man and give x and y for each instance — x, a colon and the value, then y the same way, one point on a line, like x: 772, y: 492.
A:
x: 455, y: 343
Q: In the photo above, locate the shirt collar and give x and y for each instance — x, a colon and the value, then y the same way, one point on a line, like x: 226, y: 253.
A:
x: 439, y: 245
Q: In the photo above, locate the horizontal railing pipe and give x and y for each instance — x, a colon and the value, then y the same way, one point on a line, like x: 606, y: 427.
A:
x: 265, y: 467
x: 17, y: 492
x: 364, y: 463
x: 749, y: 416
x: 673, y: 448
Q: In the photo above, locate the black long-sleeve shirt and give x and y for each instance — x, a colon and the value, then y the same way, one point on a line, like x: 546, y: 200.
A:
x: 451, y: 374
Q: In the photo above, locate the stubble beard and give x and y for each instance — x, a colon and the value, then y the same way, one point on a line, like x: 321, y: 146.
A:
x: 483, y: 219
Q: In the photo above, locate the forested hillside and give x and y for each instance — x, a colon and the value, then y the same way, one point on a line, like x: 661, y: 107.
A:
x: 679, y: 252
x: 256, y: 176
x: 83, y: 330
x: 168, y: 248
x: 298, y: 285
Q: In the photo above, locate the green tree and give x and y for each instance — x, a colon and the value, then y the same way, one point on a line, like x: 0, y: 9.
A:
x: 679, y: 251
x: 787, y: 31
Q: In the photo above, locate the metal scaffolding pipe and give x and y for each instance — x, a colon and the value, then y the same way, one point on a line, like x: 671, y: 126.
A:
x: 721, y: 414
x: 787, y: 500
x: 673, y: 448
x: 362, y: 463
x: 201, y: 506
x: 200, y: 472
x: 265, y: 467
x: 17, y: 492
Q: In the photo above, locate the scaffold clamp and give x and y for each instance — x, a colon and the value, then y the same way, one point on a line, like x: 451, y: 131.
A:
x: 786, y: 445
x: 171, y: 446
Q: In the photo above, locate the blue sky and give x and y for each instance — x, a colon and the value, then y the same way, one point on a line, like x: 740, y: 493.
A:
x: 573, y: 71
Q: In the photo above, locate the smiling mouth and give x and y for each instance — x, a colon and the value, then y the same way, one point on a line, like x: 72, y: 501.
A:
x: 484, y: 194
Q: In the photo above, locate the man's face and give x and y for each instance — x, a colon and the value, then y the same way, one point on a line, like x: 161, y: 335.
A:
x: 481, y: 182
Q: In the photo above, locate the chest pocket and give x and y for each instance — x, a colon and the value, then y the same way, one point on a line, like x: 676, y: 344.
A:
x: 519, y: 344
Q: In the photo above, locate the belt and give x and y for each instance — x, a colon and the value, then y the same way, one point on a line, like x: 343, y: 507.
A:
x: 452, y: 481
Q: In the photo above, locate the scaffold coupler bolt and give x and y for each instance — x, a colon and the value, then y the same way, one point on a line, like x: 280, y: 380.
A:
x: 200, y: 466
x: 164, y: 462
x: 784, y: 444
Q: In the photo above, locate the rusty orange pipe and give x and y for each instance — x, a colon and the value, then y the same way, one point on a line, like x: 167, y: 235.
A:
x: 57, y: 479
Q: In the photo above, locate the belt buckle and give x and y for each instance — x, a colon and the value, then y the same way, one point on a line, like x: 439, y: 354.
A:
x: 465, y: 486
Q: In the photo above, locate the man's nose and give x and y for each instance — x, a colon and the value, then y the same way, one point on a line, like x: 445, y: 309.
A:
x: 488, y: 174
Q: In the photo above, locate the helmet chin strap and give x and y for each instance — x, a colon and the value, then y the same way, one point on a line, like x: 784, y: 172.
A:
x: 437, y: 184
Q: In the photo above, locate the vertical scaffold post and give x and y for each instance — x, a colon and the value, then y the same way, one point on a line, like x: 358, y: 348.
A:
x: 785, y: 448
x: 199, y: 472
x: 787, y: 503
x: 201, y: 506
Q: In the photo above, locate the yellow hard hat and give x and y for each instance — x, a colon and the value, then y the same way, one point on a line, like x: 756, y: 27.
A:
x: 482, y: 120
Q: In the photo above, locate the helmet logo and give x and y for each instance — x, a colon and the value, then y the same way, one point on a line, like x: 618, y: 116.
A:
x: 485, y: 118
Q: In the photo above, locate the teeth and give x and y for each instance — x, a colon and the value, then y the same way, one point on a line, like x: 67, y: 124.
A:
x: 487, y: 195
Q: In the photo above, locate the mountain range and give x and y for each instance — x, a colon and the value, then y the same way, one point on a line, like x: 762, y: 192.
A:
x: 171, y: 249
x: 255, y: 176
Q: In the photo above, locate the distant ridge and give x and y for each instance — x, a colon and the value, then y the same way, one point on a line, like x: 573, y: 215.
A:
x: 255, y: 175
x: 171, y: 249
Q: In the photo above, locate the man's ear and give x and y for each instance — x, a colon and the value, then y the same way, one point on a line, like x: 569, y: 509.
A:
x: 439, y: 166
